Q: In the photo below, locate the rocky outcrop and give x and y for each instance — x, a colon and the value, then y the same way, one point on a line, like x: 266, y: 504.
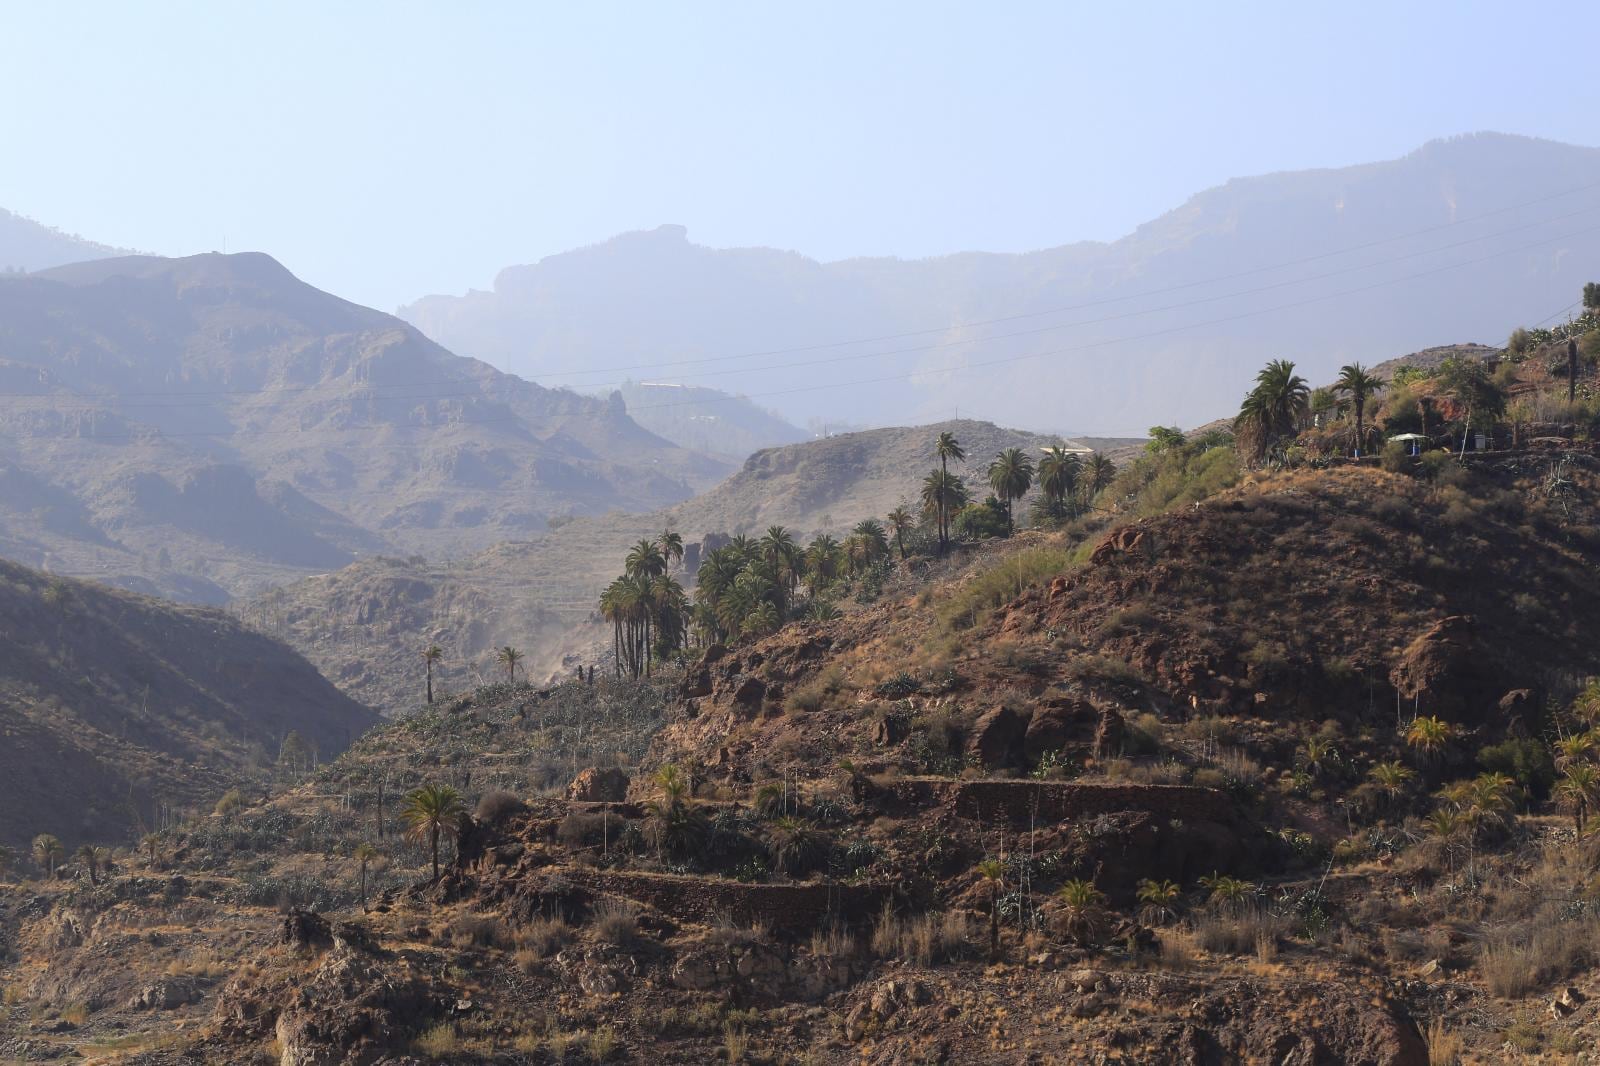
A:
x: 1443, y: 671
x: 594, y: 785
x: 997, y: 737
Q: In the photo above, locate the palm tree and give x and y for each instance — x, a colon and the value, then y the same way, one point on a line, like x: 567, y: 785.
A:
x: 900, y: 522
x: 47, y: 851
x: 1097, y: 473
x: 1429, y: 736
x: 1081, y: 912
x: 1579, y: 791
x: 795, y: 845
x: 943, y: 494
x: 1010, y: 475
x: 993, y: 871
x: 150, y: 843
x: 1574, y: 749
x: 509, y: 658
x: 1058, y: 474
x: 822, y: 560
x: 90, y: 856
x: 430, y: 811
x: 946, y: 447
x: 874, y: 541
x: 1359, y: 383
x: 366, y: 854
x: 1392, y: 778
x: 671, y: 545
x: 1273, y: 410
x: 819, y: 610
x: 1159, y: 901
x: 645, y: 560
x: 1226, y: 892
x: 431, y: 655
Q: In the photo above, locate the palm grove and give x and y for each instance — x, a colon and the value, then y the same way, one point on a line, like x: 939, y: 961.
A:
x: 751, y: 586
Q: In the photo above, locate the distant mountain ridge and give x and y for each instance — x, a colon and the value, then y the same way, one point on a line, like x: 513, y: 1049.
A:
x: 29, y: 245
x: 1462, y: 239
x: 204, y: 427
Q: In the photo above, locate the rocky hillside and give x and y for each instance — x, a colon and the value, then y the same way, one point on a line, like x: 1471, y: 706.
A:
x: 121, y: 711
x: 1461, y: 239
x: 707, y: 420
x: 204, y: 427
x: 364, y: 625
x: 1139, y: 785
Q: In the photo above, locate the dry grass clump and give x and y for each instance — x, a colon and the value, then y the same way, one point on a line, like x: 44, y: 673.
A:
x: 540, y: 939
x: 1002, y: 581
x: 439, y: 1041
x: 729, y: 933
x: 1445, y: 1046
x: 923, y: 939
x: 823, y: 690
x: 478, y: 931
x: 1239, y: 934
x: 616, y: 922
x: 833, y: 942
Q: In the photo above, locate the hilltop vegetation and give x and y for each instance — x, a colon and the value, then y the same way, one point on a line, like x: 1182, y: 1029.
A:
x: 364, y: 625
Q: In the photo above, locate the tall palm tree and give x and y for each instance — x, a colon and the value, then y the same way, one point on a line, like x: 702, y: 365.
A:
x: 47, y: 851
x: 510, y: 658
x: 671, y: 545
x: 431, y: 655
x: 1359, y: 383
x: 822, y: 560
x: 1058, y: 474
x: 943, y: 494
x: 1274, y: 409
x: 875, y: 542
x: 946, y: 447
x: 1010, y: 475
x: 365, y: 855
x: 645, y: 560
x: 432, y: 811
x: 1097, y: 473
x: 900, y: 522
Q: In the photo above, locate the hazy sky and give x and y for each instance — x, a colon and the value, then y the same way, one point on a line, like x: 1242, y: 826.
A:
x: 387, y: 150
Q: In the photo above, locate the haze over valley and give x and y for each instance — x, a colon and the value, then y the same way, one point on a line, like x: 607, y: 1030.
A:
x: 844, y: 535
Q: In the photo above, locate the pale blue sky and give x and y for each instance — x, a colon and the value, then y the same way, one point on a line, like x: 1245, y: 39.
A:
x: 387, y: 150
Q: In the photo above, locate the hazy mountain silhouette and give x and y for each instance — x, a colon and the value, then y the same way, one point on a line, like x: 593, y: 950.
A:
x: 207, y: 425
x: 654, y: 296
x: 29, y: 245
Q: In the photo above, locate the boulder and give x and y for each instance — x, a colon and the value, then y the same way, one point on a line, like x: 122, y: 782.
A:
x: 1444, y: 671
x: 997, y: 737
x: 1055, y: 725
x: 303, y: 928
x: 594, y: 785
x: 750, y: 693
x: 169, y: 993
x: 1110, y: 733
